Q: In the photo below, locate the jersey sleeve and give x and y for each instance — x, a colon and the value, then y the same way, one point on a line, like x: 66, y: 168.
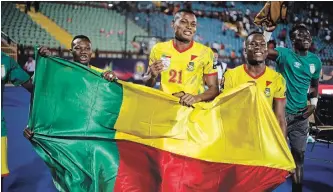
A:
x: 17, y: 75
x: 227, y: 81
x: 152, y: 55
x: 282, y: 55
x: 209, y: 63
x: 281, y: 88
x: 318, y: 66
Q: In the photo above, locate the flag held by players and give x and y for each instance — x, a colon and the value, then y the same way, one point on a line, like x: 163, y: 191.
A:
x: 97, y: 135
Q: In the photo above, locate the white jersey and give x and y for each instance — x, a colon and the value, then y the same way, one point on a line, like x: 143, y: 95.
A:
x: 221, y: 69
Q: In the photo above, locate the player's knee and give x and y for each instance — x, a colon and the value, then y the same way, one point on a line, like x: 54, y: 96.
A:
x: 298, y: 157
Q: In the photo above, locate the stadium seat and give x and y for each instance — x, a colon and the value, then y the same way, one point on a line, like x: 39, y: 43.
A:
x: 22, y: 29
x: 89, y: 21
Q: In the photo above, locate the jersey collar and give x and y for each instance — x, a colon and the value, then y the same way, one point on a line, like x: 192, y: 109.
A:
x: 174, y: 46
x: 254, y: 77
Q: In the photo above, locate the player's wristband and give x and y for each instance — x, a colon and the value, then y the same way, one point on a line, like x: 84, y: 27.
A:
x: 314, y: 101
x: 267, y: 35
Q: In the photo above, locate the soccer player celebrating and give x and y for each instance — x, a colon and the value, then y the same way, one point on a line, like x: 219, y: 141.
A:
x: 271, y: 83
x: 301, y: 70
x: 184, y: 65
x: 81, y: 51
x: 10, y: 72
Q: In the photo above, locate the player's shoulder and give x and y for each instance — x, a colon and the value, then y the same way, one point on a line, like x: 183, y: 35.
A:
x: 274, y: 74
x: 202, y: 48
x: 236, y: 71
x: 271, y: 72
x: 315, y: 58
x: 283, y: 50
x: 162, y: 45
x: 4, y: 55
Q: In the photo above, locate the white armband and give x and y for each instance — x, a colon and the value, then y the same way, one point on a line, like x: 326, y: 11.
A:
x: 314, y: 101
x: 267, y: 35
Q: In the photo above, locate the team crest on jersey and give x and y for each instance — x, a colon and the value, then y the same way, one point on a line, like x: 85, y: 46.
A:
x: 268, y: 92
x: 3, y: 71
x: 190, y: 66
x: 312, y: 68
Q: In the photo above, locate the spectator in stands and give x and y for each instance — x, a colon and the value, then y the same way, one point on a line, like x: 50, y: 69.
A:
x: 220, y: 66
x: 316, y: 24
x: 188, y: 5
x: 29, y: 66
x: 313, y: 48
x: 233, y: 59
x: 283, y: 34
x: 216, y: 45
x: 330, y: 80
x: 28, y: 5
x: 327, y: 35
x: 183, y: 78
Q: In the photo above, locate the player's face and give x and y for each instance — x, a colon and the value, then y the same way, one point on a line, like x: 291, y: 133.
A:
x: 256, y: 49
x: 81, y: 50
x: 302, y: 39
x: 185, y: 26
x: 216, y: 56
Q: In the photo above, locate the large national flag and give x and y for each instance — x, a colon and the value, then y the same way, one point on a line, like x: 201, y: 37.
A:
x: 97, y: 135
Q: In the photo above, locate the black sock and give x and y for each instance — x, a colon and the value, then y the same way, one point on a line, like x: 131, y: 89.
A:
x: 297, y: 187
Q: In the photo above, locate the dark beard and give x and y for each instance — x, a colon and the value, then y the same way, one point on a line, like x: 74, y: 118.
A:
x: 300, y: 47
x: 181, y: 39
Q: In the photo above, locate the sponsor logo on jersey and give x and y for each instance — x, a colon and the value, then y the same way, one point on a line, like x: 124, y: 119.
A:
x: 312, y: 68
x: 297, y: 65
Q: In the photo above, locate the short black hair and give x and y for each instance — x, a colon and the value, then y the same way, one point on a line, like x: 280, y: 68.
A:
x: 183, y: 11
x: 214, y: 50
x: 297, y: 27
x: 252, y: 33
x: 81, y: 37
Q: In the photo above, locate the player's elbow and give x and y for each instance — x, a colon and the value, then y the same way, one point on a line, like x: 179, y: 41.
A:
x: 214, y: 90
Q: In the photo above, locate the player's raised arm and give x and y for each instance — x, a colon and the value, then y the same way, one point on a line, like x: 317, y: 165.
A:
x: 272, y: 53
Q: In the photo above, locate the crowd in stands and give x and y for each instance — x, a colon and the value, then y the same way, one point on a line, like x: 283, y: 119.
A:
x: 239, y: 16
x: 235, y: 19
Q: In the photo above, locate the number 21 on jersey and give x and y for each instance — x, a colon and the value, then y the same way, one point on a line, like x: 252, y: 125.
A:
x: 175, y: 76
